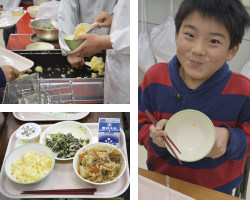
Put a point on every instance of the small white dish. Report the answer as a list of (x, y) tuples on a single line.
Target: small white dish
[(33, 10), (40, 46), (192, 132)]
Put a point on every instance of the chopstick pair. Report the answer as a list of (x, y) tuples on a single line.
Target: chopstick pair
[(166, 139), (86, 191)]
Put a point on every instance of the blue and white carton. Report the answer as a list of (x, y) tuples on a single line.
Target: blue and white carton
[(109, 130)]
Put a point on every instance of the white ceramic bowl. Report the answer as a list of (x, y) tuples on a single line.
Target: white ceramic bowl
[(89, 147), (39, 46), (33, 10), (77, 129), (18, 153), (192, 132)]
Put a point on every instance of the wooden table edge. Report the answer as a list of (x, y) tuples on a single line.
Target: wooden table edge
[(192, 190)]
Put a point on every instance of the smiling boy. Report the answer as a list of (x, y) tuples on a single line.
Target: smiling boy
[(208, 34)]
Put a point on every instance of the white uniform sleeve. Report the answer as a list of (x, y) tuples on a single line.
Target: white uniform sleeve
[(120, 28), (8, 5), (120, 40), (67, 21)]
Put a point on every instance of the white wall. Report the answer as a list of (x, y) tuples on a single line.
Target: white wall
[(157, 13)]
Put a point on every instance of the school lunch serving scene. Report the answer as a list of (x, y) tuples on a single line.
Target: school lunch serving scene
[(65, 51)]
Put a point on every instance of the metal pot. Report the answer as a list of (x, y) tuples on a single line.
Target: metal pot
[(45, 33)]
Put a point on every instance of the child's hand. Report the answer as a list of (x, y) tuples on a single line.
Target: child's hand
[(221, 142), (156, 133), (10, 73)]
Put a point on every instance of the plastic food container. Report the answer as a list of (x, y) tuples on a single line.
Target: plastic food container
[(17, 11), (29, 133)]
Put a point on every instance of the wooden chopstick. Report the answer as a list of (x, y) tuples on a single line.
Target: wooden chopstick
[(89, 191), (152, 119)]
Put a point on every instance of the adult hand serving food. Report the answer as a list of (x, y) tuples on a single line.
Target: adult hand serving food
[(72, 13), (93, 43)]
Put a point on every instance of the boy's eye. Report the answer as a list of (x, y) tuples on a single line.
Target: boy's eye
[(213, 41), (189, 35)]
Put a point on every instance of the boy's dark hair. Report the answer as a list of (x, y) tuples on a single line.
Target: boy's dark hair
[(230, 13)]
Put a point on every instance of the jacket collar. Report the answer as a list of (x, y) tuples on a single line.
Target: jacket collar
[(180, 85)]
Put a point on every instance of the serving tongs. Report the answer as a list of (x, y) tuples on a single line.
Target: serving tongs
[(165, 138)]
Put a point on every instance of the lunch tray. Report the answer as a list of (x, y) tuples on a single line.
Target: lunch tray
[(49, 116), (63, 176)]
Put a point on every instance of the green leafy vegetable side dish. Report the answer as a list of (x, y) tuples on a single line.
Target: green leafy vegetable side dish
[(65, 145)]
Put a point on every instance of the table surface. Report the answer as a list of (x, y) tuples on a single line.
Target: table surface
[(189, 189), (13, 124)]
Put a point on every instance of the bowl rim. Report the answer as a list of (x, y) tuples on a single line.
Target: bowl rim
[(66, 121), (28, 8), (71, 40), (34, 27), (210, 122), (76, 157), (16, 149), (45, 43)]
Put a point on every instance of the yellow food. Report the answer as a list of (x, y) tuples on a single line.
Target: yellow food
[(93, 75), (31, 167), (39, 69), (97, 63), (100, 72), (82, 29), (22, 75)]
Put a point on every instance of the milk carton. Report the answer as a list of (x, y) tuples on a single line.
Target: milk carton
[(109, 130)]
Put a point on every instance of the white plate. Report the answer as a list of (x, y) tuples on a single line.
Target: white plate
[(40, 46), (7, 20), (49, 116), (148, 190), (192, 132), (8, 57), (77, 129), (63, 176)]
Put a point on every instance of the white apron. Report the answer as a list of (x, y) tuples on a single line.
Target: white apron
[(117, 66)]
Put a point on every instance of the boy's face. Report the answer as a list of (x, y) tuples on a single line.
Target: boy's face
[(202, 48)]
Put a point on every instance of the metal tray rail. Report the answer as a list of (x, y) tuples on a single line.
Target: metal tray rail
[(31, 90)]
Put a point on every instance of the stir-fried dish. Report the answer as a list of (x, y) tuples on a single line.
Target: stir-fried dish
[(65, 145), (100, 165)]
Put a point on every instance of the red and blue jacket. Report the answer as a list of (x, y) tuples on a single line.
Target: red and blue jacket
[(224, 98)]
